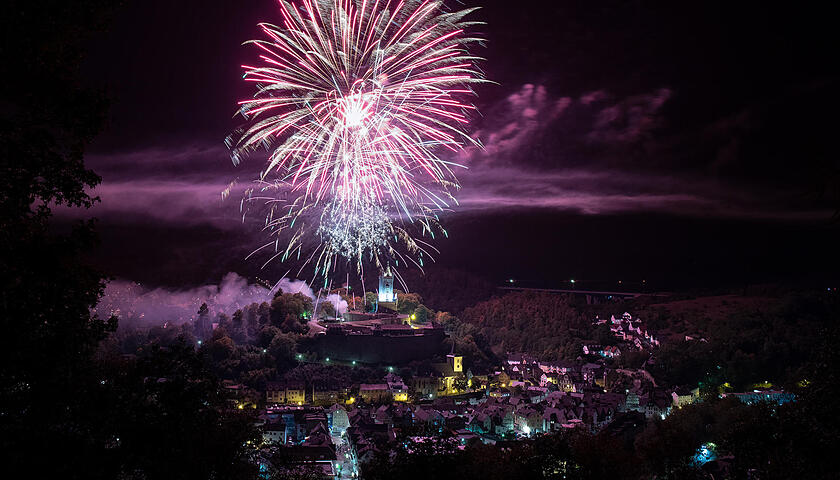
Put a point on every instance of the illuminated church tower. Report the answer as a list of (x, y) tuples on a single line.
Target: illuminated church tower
[(387, 298)]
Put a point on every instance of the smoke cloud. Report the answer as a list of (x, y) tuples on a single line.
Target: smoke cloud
[(133, 303), (295, 286), (299, 286), (339, 303)]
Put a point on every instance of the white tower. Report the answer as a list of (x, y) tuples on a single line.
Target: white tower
[(387, 298)]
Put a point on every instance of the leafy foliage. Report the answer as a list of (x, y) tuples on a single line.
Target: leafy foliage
[(544, 324)]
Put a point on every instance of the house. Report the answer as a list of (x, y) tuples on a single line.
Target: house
[(611, 351), (453, 421), (503, 421), (428, 418), (235, 390), (325, 394), (289, 394), (536, 394), (374, 392), (553, 418), (498, 392), (402, 414), (561, 366), (529, 420), (631, 402), (424, 386), (279, 467), (682, 396), (316, 447), (480, 423), (464, 436), (397, 388), (275, 393), (500, 378), (382, 414), (338, 418), (592, 371), (654, 404), (592, 349), (566, 383), (546, 378), (274, 433), (313, 418), (478, 377)]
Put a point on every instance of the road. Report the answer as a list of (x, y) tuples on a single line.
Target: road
[(346, 461)]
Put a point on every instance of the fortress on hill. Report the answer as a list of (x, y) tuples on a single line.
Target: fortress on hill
[(380, 338)]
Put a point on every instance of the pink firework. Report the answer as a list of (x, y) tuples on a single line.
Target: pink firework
[(357, 100)]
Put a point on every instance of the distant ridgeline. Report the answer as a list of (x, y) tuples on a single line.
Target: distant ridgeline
[(379, 343)]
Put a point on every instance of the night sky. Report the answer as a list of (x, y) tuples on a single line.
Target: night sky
[(689, 145)]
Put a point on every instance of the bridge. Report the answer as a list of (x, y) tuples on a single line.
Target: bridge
[(592, 296)]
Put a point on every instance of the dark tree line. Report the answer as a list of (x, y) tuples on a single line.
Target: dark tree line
[(543, 324), (69, 409), (747, 346)]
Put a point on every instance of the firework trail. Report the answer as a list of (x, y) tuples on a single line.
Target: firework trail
[(355, 101)]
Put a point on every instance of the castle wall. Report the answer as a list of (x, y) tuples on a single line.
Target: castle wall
[(380, 348)]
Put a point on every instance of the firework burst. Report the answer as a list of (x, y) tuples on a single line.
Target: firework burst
[(356, 101)]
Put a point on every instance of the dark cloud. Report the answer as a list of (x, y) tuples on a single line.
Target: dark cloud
[(628, 120), (535, 127), (591, 192), (600, 153), (591, 154)]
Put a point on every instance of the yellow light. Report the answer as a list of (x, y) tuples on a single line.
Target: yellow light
[(240, 406), (413, 316)]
